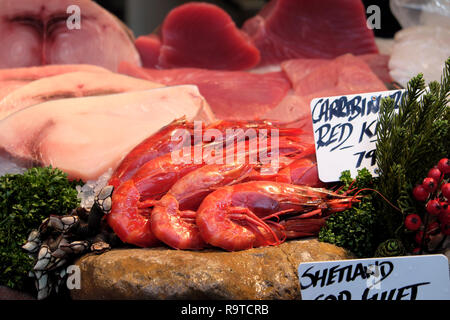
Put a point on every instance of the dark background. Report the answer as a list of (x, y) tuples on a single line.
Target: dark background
[(144, 16)]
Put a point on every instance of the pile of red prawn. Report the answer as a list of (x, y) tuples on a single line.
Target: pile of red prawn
[(233, 206)]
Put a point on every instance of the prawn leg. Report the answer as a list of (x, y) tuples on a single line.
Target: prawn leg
[(246, 215)]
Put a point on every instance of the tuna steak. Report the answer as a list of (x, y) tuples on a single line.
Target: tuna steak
[(379, 63), (346, 74), (35, 32), (86, 136), (290, 29), (232, 95), (71, 85), (316, 78), (201, 35), (149, 48)]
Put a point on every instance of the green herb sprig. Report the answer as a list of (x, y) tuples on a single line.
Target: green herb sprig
[(25, 200), (353, 229), (410, 140)]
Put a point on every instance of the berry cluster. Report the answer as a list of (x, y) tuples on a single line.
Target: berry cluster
[(435, 190)]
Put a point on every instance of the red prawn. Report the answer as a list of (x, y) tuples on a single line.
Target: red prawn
[(151, 181), (173, 217), (237, 217), (154, 146)]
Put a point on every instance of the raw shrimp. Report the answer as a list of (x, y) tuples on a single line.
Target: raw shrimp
[(163, 142), (156, 176), (224, 125), (131, 201), (237, 217), (173, 217), (301, 171), (154, 146)]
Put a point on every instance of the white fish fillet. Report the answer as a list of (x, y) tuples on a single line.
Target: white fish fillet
[(35, 73), (71, 85), (14, 78), (421, 49), (87, 136)]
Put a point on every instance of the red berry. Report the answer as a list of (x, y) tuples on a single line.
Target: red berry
[(444, 165), (433, 207), (435, 173), (416, 250), (420, 194), (445, 189), (413, 222), (429, 184)]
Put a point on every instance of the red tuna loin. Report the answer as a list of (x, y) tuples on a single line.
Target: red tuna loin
[(34, 32), (149, 48), (233, 95), (202, 35), (379, 63), (346, 74), (313, 78), (289, 29)]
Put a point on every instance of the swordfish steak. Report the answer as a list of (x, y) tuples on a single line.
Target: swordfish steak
[(71, 85), (14, 78), (36, 32), (87, 136), (291, 29)]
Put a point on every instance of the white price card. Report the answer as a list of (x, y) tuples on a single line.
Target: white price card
[(345, 132), (424, 277)]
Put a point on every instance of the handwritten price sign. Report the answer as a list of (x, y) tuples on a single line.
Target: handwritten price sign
[(345, 129), (399, 278)]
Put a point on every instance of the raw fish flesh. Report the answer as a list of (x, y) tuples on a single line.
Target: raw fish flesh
[(232, 95), (36, 32), (71, 85), (421, 49), (35, 73), (14, 78), (149, 48), (87, 136), (379, 63), (346, 74), (202, 35), (316, 78), (292, 107), (8, 86), (289, 29)]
